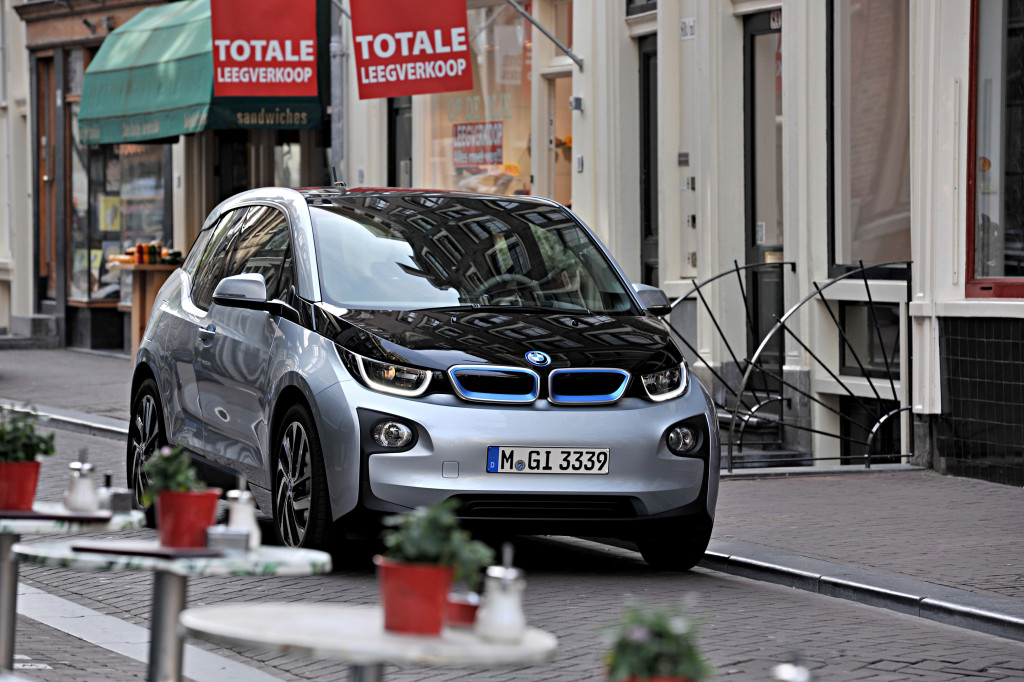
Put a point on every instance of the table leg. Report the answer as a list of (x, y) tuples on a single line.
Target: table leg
[(165, 643), (8, 600), (373, 672)]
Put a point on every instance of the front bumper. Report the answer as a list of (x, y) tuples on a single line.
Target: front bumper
[(646, 485)]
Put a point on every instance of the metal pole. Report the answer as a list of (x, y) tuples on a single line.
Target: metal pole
[(519, 8), (373, 672), (8, 600), (165, 644)]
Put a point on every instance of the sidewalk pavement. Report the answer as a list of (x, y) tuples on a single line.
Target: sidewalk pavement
[(943, 548)]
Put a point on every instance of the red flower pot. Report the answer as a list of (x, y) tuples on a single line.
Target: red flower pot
[(18, 482), (183, 517), (414, 596)]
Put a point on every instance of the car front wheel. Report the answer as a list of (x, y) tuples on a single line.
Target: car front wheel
[(301, 506)]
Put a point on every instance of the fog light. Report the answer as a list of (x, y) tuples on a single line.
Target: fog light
[(392, 434), (682, 439)]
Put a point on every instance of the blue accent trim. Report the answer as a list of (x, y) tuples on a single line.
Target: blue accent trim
[(587, 399), (479, 396)]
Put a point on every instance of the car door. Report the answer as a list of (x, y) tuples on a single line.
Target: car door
[(234, 345), (203, 270)]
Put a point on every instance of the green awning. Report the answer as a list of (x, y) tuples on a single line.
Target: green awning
[(153, 78)]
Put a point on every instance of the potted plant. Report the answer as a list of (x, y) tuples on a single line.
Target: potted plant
[(425, 550), (185, 507), (20, 446), (655, 645)]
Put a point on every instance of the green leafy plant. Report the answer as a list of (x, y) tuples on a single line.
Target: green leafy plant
[(655, 642), (431, 535), (19, 441), (170, 469)]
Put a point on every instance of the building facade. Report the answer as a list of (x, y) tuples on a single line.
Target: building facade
[(867, 149)]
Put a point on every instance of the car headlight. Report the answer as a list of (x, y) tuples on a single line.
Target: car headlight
[(666, 384), (387, 377)]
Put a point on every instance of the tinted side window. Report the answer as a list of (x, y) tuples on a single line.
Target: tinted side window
[(214, 263), (264, 248)]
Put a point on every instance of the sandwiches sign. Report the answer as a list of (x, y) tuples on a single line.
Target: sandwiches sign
[(413, 48), (264, 48)]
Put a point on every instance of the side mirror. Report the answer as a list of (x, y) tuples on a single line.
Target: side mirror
[(242, 291), (654, 299), (249, 291)]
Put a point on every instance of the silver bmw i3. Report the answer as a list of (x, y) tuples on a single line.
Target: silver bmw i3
[(355, 353)]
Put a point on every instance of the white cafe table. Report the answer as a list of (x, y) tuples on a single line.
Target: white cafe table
[(171, 569), (356, 635), (46, 518)]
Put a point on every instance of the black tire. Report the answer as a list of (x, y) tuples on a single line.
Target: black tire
[(301, 505), (146, 436), (679, 549)]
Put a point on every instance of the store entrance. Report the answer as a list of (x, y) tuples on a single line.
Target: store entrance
[(764, 219), (46, 180), (230, 163)]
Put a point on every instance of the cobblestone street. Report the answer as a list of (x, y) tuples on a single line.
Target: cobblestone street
[(577, 588)]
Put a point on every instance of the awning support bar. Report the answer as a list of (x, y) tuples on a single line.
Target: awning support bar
[(556, 41)]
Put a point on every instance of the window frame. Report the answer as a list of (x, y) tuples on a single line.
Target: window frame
[(899, 271), (979, 287)]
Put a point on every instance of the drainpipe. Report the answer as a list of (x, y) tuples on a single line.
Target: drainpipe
[(7, 121)]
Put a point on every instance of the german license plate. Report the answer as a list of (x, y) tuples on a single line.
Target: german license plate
[(516, 459)]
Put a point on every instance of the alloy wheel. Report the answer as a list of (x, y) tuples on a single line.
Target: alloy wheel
[(293, 491), (144, 439)]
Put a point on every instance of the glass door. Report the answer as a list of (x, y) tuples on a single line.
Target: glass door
[(649, 159), (764, 219)]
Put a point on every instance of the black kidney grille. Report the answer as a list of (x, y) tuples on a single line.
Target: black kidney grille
[(587, 386), (495, 384)]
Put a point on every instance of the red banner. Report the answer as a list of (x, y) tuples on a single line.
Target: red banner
[(412, 48), (264, 48)]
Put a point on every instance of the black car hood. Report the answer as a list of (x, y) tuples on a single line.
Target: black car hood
[(438, 339)]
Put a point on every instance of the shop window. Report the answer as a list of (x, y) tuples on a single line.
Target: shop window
[(480, 139), (287, 159), (995, 195), (640, 6), (869, 209)]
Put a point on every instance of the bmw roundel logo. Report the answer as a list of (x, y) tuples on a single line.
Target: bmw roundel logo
[(538, 358)]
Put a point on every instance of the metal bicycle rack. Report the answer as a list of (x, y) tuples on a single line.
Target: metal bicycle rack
[(748, 405)]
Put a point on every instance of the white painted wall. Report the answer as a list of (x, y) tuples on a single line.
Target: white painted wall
[(16, 229)]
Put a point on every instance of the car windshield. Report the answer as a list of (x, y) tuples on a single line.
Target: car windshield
[(427, 251)]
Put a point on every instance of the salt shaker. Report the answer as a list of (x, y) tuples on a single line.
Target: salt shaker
[(501, 618), (103, 493), (81, 493), (242, 513)]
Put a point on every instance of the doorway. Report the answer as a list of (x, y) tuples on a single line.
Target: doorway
[(46, 184), (764, 217), (400, 142), (649, 160)]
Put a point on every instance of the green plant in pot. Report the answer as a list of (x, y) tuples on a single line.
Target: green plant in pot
[(425, 550), (185, 507), (653, 644), (20, 447)]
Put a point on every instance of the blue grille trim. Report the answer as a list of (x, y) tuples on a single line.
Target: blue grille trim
[(482, 397), (587, 399)]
